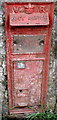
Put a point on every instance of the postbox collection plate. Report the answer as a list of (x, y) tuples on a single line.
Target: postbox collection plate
[(28, 41)]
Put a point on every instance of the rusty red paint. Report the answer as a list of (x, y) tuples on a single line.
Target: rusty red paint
[(27, 54)]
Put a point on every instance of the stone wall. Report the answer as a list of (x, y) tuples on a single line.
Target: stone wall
[(52, 84)]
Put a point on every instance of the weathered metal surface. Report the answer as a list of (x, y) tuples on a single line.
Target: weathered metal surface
[(27, 54), (27, 83), (24, 19), (28, 43)]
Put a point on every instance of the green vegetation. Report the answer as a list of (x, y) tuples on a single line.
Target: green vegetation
[(47, 115)]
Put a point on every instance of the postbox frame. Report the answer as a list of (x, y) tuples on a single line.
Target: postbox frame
[(11, 57)]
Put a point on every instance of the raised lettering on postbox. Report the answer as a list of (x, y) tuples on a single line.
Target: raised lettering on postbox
[(22, 19)]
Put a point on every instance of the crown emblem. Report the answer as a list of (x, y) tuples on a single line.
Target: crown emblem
[(29, 8)]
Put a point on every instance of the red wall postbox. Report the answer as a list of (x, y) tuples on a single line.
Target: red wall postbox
[(28, 41)]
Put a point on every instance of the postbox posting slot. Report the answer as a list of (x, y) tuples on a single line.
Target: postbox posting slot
[(23, 19)]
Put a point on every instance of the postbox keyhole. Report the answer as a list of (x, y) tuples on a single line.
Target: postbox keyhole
[(20, 90)]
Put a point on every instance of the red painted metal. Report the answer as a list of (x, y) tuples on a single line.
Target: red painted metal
[(23, 19), (28, 40)]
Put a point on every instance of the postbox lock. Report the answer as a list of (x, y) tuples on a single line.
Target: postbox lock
[(20, 90)]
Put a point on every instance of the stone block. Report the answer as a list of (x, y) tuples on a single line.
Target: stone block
[(1, 70), (1, 20), (1, 12), (1, 100), (0, 61), (1, 29), (1, 34), (1, 37), (2, 51), (0, 56), (1, 90), (1, 74), (1, 43), (0, 116), (2, 78)]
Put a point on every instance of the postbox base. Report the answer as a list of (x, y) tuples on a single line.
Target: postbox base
[(26, 111)]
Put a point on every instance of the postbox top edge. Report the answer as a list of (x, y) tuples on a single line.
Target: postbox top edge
[(40, 2), (23, 3)]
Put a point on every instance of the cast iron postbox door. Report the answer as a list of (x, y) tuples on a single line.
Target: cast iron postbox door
[(28, 40)]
